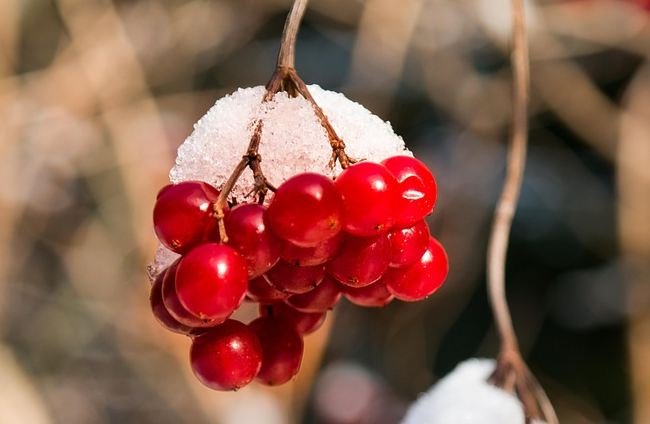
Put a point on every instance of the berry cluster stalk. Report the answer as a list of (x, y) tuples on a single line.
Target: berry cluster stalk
[(284, 78), (511, 372)]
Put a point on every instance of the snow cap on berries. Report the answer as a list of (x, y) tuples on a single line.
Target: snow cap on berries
[(293, 141), (465, 397)]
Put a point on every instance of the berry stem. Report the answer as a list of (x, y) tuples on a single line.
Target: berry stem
[(287, 53), (511, 371), (284, 78)]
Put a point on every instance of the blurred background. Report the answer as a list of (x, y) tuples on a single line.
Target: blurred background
[(96, 95)]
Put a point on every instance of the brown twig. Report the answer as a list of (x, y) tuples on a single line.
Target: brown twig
[(287, 53), (511, 370), (286, 79)]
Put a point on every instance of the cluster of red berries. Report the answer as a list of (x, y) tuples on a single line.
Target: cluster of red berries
[(362, 235)]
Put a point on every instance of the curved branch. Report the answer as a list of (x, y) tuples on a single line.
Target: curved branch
[(498, 246), (511, 370)]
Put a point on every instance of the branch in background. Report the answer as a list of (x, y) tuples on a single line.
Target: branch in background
[(498, 246), (511, 372)]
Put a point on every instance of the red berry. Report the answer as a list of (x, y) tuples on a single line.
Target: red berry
[(305, 210), (160, 312), (226, 357), (211, 281), (421, 279), (260, 290), (370, 193), (250, 237), (295, 279), (417, 189), (361, 260), (321, 299), (408, 244), (173, 304), (183, 216), (375, 295), (309, 256), (163, 190), (305, 322), (282, 349)]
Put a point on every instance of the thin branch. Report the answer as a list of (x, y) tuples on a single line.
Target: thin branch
[(287, 53), (505, 210), (548, 412), (337, 144), (510, 365)]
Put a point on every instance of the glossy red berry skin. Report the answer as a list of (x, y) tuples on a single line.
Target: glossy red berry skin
[(408, 244), (421, 279), (370, 194), (282, 349), (227, 357), (417, 189), (261, 291), (304, 322), (361, 260), (310, 256), (321, 299), (211, 281), (249, 236), (173, 304), (295, 279), (305, 210), (375, 295), (161, 313), (183, 216)]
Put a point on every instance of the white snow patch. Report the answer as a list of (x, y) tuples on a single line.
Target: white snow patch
[(293, 140), (465, 397)]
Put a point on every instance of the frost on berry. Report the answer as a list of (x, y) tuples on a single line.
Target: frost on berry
[(465, 396), (293, 141)]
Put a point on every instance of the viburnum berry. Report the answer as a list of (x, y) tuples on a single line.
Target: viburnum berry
[(361, 260), (282, 349), (227, 357), (376, 295), (416, 186), (320, 299), (248, 234), (304, 322), (260, 290), (310, 256), (421, 279), (305, 210), (211, 281), (161, 313), (183, 216), (295, 279), (173, 304), (408, 244), (370, 194)]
